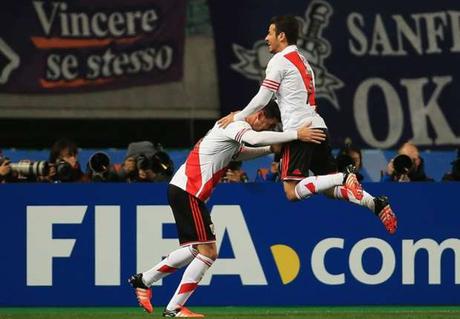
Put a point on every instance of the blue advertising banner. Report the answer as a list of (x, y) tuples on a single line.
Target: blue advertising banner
[(70, 46), (385, 73), (76, 245)]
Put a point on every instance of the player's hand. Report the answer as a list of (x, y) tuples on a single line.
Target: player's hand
[(311, 135), (226, 120)]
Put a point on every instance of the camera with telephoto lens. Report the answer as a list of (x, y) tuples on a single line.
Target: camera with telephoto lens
[(63, 170), (143, 162), (343, 161), (99, 166), (402, 165), (162, 164), (27, 168), (159, 163)]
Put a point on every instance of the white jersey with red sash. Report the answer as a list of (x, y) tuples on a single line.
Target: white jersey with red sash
[(208, 160), (291, 78)]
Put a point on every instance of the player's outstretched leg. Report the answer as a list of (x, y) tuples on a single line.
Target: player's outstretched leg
[(312, 185), (378, 205), (383, 210), (143, 293), (352, 183)]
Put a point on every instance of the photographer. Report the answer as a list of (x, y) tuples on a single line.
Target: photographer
[(5, 169), (22, 171), (146, 163), (64, 165), (271, 174), (454, 174), (407, 166), (235, 173)]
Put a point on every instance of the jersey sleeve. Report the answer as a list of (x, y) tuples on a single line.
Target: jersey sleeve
[(236, 130), (273, 74), (258, 102), (268, 137)]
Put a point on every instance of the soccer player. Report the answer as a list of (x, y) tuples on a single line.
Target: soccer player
[(192, 185), (290, 77)]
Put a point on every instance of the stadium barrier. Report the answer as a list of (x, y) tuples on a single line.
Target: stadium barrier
[(437, 163), (76, 245)]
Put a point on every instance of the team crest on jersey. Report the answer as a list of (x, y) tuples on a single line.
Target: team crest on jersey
[(252, 62)]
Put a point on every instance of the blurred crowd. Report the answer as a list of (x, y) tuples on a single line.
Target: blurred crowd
[(148, 162)]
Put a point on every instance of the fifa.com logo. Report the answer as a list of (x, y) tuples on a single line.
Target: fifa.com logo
[(151, 247)]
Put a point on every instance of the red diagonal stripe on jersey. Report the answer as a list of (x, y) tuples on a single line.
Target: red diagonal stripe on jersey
[(295, 59), (166, 269), (190, 286), (193, 170), (209, 186)]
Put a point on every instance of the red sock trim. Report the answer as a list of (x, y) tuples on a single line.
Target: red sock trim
[(167, 269)]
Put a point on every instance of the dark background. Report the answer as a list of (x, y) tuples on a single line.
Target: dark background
[(42, 133)]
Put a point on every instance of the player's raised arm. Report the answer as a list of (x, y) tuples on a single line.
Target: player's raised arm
[(257, 103), (269, 86)]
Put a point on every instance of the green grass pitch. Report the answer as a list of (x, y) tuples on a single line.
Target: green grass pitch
[(438, 312)]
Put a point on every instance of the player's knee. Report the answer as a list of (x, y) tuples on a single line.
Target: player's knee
[(208, 250), (291, 196), (289, 190)]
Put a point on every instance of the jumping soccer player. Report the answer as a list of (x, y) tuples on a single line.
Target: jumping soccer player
[(290, 77)]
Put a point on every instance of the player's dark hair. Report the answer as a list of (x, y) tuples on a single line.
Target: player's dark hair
[(287, 24), (272, 111)]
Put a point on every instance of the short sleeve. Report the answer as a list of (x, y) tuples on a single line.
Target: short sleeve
[(236, 130), (273, 74)]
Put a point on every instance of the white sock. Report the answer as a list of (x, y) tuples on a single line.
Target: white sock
[(177, 259), (341, 192), (192, 276), (317, 184)]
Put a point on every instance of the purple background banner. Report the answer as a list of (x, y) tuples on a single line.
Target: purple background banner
[(71, 46), (385, 73)]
